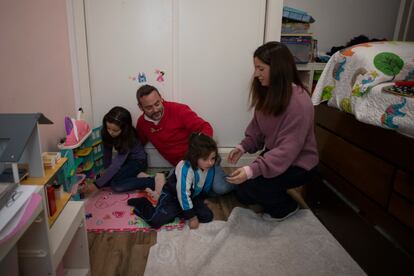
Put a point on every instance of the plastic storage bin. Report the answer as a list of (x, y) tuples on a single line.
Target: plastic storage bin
[(295, 28), (298, 15), (300, 47)]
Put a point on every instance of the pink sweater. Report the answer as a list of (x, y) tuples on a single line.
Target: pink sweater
[(289, 137)]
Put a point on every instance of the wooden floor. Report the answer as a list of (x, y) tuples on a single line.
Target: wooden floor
[(126, 254), (375, 254)]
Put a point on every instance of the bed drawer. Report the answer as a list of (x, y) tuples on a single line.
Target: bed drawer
[(404, 185), (387, 144), (402, 209), (367, 173)]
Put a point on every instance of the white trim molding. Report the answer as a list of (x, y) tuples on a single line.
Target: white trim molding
[(79, 57), (404, 26), (155, 160)]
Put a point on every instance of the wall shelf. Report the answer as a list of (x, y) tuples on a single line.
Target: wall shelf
[(60, 205), (49, 174)]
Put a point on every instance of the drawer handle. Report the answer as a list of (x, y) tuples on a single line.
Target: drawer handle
[(32, 253)]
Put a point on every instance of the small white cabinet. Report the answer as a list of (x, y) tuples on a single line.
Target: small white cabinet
[(68, 240), (40, 250)]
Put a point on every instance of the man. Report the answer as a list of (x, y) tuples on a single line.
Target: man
[(168, 125)]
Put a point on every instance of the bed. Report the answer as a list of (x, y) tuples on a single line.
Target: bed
[(365, 135)]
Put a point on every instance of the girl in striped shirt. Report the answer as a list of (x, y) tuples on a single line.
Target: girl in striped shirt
[(184, 193)]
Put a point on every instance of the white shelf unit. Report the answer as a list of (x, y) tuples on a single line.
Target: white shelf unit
[(10, 244), (68, 240), (307, 72), (40, 249)]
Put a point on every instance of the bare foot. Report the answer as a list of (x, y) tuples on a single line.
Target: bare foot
[(153, 194), (159, 183), (143, 174)]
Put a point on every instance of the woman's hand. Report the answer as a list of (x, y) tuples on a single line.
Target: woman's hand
[(193, 223), (237, 177), (234, 155)]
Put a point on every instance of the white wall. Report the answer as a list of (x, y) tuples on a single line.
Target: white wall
[(338, 21)]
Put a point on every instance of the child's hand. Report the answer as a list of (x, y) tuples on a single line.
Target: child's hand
[(234, 155), (193, 223)]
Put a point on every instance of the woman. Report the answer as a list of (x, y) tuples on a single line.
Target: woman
[(282, 127)]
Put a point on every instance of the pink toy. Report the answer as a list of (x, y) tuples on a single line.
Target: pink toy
[(76, 132)]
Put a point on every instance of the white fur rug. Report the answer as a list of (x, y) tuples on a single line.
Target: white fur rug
[(248, 244)]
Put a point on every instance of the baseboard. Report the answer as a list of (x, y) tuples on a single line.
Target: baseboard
[(246, 158), (155, 160)]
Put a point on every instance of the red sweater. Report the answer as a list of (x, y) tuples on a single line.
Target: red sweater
[(170, 136)]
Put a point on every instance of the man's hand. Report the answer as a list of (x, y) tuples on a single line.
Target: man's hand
[(193, 223), (237, 177), (234, 155)]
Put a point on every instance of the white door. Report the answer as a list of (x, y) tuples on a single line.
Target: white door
[(216, 41), (204, 49), (126, 39)]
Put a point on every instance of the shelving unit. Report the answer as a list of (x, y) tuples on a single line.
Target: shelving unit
[(43, 244), (49, 174), (62, 239), (37, 249), (84, 160), (301, 43), (307, 72), (69, 242)]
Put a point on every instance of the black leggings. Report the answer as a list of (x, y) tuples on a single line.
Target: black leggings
[(126, 178), (168, 208), (271, 192)]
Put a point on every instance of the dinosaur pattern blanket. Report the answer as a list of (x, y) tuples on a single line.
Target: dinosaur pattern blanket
[(354, 78)]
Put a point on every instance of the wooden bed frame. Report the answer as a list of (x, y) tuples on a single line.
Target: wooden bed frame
[(372, 167)]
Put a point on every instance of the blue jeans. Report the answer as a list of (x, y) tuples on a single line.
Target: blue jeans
[(168, 208), (220, 185), (126, 178)]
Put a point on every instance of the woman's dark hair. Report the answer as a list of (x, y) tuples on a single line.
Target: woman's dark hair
[(200, 146), (122, 118), (274, 99)]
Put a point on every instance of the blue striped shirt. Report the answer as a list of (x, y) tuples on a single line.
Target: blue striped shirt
[(190, 183)]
